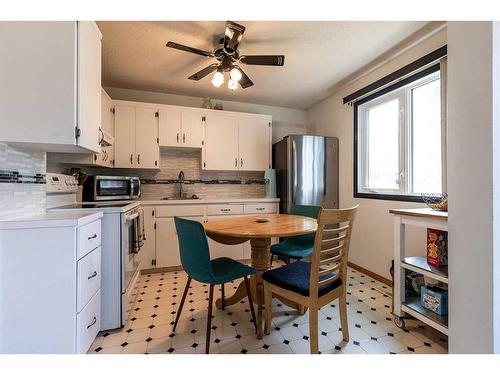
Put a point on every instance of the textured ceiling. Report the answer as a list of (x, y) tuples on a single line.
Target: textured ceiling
[(317, 56)]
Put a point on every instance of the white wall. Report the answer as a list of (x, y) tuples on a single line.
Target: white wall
[(372, 242), (473, 186), (285, 120)]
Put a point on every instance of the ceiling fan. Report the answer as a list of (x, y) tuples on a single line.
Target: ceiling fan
[(227, 54)]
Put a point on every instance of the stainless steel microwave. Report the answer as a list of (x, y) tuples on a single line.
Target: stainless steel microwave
[(106, 188)]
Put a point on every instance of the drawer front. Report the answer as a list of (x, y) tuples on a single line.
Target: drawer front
[(260, 208), (89, 237), (89, 277), (88, 324), (171, 211), (225, 209)]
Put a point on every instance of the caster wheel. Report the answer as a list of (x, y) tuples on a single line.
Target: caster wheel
[(399, 322)]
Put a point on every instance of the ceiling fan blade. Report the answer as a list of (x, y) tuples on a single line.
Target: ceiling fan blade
[(232, 36), (274, 60), (245, 81), (204, 72), (189, 49)]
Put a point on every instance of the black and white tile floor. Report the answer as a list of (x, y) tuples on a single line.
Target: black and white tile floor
[(370, 326)]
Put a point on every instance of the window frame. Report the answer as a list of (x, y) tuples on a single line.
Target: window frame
[(405, 156)]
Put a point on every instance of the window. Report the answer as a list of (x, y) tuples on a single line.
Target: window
[(398, 146)]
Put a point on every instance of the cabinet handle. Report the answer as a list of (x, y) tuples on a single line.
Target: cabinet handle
[(138, 158), (131, 159), (260, 209), (92, 237), (94, 321), (177, 137), (92, 276), (183, 137), (241, 162), (225, 209), (235, 162)]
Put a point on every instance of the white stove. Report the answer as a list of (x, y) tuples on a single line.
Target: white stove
[(122, 236)]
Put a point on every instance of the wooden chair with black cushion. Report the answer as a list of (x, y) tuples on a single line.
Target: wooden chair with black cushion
[(321, 281), (195, 259)]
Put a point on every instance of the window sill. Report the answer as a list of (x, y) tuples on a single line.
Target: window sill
[(390, 197)]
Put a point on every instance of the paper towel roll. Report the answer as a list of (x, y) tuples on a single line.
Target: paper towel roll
[(270, 178)]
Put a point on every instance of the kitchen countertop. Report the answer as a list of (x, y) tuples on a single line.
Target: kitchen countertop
[(51, 220), (148, 202)]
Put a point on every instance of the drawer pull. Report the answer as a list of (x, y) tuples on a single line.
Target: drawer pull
[(92, 237), (260, 208), (94, 321), (92, 276), (225, 210)]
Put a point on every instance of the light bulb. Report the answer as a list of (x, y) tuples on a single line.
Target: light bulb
[(235, 74), (232, 84), (218, 79)]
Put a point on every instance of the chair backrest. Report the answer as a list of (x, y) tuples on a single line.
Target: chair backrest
[(331, 247), (309, 211), (194, 250)]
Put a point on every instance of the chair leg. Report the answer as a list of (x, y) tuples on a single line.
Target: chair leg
[(209, 317), (343, 315), (223, 301), (250, 302), (271, 261), (188, 282), (313, 328), (268, 297)]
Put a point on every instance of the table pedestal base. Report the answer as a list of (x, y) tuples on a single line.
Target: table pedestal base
[(261, 261)]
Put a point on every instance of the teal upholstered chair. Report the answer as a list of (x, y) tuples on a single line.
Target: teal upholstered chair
[(195, 259), (297, 247)]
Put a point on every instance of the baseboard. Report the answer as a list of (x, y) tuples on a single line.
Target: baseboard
[(373, 275)]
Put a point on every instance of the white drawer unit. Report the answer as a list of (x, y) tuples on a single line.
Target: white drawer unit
[(88, 323), (224, 209), (184, 210), (55, 307), (89, 237), (260, 208), (89, 277)]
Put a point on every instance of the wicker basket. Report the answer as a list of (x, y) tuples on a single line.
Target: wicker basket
[(437, 202)]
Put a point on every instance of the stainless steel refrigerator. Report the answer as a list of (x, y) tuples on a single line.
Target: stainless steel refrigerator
[(307, 171)]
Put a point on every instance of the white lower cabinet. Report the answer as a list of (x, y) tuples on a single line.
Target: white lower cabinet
[(54, 306), (161, 248)]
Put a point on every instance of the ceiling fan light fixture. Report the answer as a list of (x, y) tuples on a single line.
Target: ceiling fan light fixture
[(235, 74), (218, 79), (232, 84)]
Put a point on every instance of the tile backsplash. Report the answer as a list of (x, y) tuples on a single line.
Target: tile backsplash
[(157, 184), (22, 181)]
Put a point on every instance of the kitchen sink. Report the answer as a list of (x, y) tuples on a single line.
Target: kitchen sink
[(194, 196)]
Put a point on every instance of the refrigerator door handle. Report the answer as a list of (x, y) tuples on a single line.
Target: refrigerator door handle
[(294, 175)]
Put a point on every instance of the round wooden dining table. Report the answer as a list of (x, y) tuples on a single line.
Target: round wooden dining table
[(259, 230)]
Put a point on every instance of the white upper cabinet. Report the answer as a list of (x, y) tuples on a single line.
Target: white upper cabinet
[(254, 143), (136, 136), (180, 127), (237, 142), (221, 142), (50, 73)]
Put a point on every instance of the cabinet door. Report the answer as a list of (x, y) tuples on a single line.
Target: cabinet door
[(254, 144), (124, 136), (89, 85), (167, 243), (170, 127), (192, 129), (148, 249), (221, 143), (218, 250), (146, 136), (107, 117)]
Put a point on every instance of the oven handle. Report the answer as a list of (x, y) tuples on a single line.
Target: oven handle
[(132, 216)]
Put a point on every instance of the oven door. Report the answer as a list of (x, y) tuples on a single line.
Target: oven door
[(130, 247), (112, 188)]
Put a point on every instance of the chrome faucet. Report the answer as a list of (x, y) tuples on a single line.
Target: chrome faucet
[(181, 189)]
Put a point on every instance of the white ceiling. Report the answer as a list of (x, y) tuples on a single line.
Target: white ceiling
[(317, 56)]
